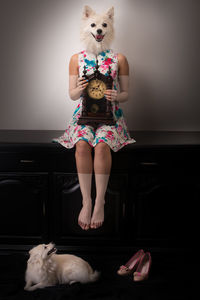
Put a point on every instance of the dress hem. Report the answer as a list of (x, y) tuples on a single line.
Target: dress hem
[(120, 146)]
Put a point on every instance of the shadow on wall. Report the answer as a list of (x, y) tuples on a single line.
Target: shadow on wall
[(140, 111), (152, 106), (145, 107)]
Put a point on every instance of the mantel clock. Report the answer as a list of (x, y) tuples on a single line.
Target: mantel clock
[(96, 109)]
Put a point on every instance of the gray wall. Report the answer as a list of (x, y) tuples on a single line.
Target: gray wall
[(160, 39)]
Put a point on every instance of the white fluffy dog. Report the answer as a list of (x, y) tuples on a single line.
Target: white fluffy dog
[(45, 268), (97, 31)]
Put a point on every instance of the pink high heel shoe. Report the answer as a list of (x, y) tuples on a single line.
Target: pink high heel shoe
[(131, 265), (142, 272)]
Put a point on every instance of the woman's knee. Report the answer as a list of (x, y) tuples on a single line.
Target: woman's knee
[(83, 148), (102, 149)]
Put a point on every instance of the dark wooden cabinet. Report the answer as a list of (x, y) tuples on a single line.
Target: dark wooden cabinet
[(166, 194), (151, 201)]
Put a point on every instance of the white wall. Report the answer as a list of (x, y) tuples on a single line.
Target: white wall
[(160, 39)]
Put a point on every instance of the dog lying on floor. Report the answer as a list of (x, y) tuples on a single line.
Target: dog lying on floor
[(45, 268)]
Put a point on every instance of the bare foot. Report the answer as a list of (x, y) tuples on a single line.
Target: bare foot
[(97, 216), (85, 216)]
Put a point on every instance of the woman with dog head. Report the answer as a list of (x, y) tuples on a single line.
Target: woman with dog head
[(97, 34)]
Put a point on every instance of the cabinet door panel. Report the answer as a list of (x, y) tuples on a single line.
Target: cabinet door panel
[(23, 206), (166, 205), (67, 205)]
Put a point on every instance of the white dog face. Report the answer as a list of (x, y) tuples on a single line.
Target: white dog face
[(43, 251), (97, 31)]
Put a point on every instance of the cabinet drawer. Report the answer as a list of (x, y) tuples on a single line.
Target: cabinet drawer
[(23, 162)]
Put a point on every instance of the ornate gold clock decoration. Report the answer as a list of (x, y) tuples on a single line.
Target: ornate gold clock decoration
[(96, 109)]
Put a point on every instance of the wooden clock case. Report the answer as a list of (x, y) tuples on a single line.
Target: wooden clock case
[(104, 113)]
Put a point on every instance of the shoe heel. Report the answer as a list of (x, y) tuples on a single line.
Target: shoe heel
[(143, 269)]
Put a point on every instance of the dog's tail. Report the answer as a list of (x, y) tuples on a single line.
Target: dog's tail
[(95, 276)]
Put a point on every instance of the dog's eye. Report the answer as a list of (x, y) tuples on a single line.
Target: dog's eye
[(104, 25), (45, 247), (93, 25)]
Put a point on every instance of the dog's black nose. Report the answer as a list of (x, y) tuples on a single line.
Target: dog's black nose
[(99, 31)]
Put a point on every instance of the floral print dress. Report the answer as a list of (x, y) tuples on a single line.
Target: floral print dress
[(116, 136)]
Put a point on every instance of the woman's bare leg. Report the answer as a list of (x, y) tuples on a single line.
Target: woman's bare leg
[(102, 167), (84, 164)]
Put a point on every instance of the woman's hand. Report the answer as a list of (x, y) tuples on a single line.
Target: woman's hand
[(122, 96), (76, 86), (111, 95), (81, 83)]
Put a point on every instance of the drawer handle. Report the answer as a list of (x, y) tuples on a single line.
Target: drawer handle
[(149, 163), (27, 161)]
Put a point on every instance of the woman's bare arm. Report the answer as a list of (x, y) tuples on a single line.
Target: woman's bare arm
[(123, 71), (76, 84)]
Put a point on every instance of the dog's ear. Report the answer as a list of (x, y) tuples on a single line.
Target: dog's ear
[(87, 12), (31, 251), (110, 13)]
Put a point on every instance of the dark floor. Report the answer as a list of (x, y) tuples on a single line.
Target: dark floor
[(171, 277)]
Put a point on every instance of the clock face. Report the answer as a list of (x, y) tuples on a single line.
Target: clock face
[(96, 89)]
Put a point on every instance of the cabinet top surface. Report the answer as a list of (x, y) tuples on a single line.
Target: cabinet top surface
[(143, 139)]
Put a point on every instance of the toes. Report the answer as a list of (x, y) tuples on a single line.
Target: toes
[(87, 227), (80, 224), (96, 225), (83, 225), (99, 224)]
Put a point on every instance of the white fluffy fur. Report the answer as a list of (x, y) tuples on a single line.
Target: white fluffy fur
[(45, 269), (87, 32)]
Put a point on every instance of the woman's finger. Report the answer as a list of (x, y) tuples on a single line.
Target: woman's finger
[(84, 85), (81, 82), (111, 95), (108, 92)]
